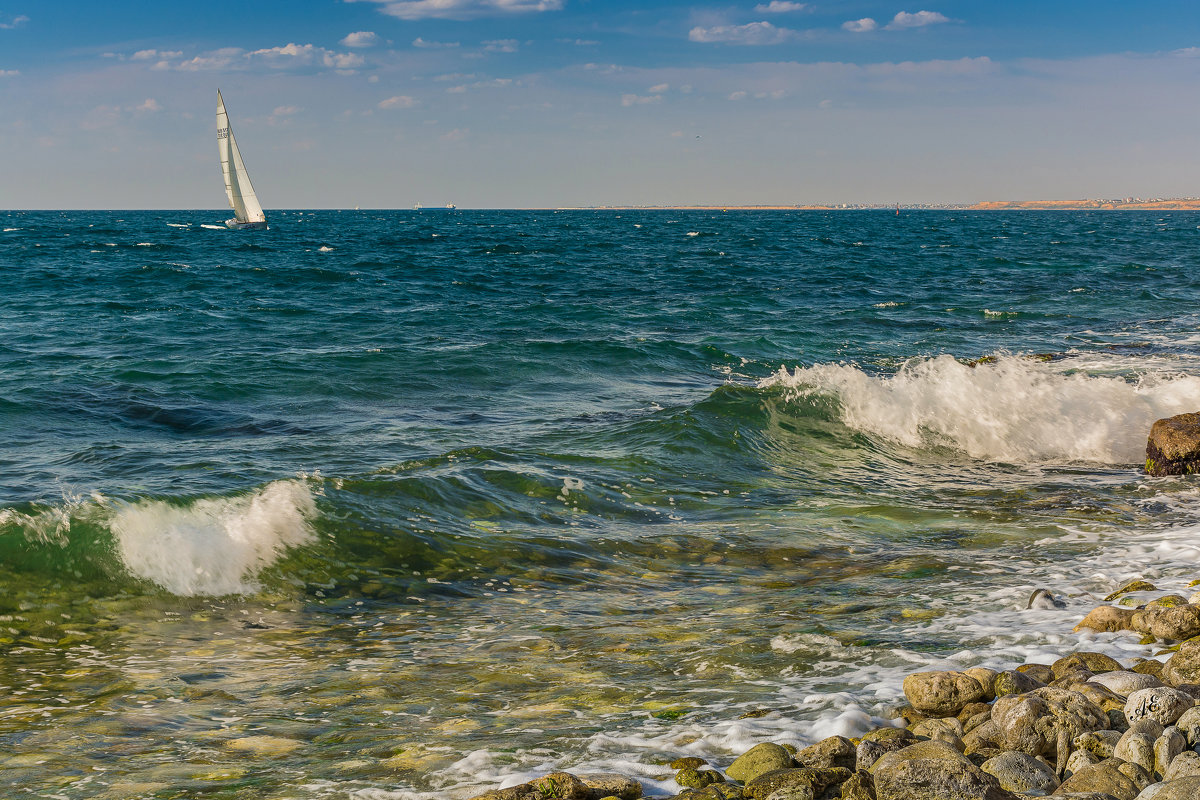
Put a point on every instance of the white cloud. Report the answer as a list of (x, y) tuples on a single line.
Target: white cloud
[(398, 101), (501, 46), (739, 95), (150, 105), (419, 42), (16, 22), (752, 33), (461, 9), (779, 7), (287, 57), (635, 100), (864, 25), (917, 20), (9, 73), (456, 135), (360, 39), (659, 89), (155, 55), (285, 111)]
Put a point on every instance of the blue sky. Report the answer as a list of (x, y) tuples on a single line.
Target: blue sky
[(545, 103)]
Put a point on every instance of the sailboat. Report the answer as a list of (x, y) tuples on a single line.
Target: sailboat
[(247, 213)]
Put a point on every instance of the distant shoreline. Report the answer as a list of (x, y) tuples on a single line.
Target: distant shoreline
[(1186, 204)]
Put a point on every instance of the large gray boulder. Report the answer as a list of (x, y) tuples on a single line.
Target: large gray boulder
[(1018, 772), (1162, 704), (1178, 789), (1104, 777), (1045, 721), (942, 694), (933, 771), (1173, 447), (1184, 666)]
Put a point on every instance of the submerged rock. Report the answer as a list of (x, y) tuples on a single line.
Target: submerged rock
[(1173, 447), (1107, 619)]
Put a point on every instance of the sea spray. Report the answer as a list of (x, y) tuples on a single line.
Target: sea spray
[(213, 546), (1012, 410)]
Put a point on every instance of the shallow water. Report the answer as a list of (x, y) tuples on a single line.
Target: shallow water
[(394, 504)]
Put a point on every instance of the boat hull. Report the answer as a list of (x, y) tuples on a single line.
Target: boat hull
[(233, 224)]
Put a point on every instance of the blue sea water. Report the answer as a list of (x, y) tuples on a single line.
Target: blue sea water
[(393, 504)]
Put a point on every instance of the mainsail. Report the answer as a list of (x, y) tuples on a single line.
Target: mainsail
[(242, 200)]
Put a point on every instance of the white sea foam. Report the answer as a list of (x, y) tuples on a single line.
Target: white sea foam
[(213, 546), (324, 249), (214, 227), (179, 224), (1014, 410)]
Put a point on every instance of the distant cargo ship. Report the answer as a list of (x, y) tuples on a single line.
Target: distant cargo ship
[(447, 207)]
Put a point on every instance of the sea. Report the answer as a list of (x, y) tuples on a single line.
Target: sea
[(393, 505)]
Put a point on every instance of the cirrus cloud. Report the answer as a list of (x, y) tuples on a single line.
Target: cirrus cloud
[(460, 9)]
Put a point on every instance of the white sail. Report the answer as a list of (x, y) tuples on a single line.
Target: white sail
[(246, 209)]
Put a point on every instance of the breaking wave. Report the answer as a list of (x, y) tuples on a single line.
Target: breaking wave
[(1011, 410)]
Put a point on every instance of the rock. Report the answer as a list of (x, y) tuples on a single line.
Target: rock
[(1095, 663), (835, 751), (1184, 666), (1078, 760), (858, 786), (1107, 619), (1039, 672), (1168, 601), (938, 729), (795, 781), (717, 791), (1103, 777), (1173, 447), (1189, 724), (608, 784), (1148, 666), (1137, 748), (1178, 789), (941, 694), (977, 720), (1099, 743), (1124, 682), (1184, 765), (694, 778), (1045, 721), (1175, 623), (870, 751), (1014, 682), (759, 760), (1167, 747), (1161, 704), (1018, 772), (1043, 600), (1150, 727), (986, 736), (687, 761), (933, 770), (986, 677), (560, 786), (1140, 777), (1133, 586)]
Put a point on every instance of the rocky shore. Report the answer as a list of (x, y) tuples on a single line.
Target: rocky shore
[(1085, 727)]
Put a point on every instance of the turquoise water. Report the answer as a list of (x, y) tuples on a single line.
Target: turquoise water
[(395, 504)]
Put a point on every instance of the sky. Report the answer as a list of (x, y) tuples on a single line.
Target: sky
[(560, 103)]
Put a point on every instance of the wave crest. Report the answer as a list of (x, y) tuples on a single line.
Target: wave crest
[(213, 546), (1012, 410)]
